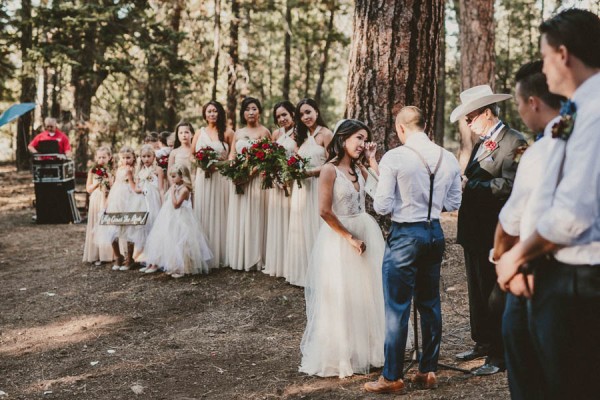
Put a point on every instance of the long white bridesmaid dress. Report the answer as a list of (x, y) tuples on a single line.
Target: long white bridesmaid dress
[(304, 215), (92, 251), (211, 201), (345, 329), (278, 218), (246, 222)]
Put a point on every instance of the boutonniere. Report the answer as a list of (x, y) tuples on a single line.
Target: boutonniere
[(564, 127), (490, 145), (519, 152)]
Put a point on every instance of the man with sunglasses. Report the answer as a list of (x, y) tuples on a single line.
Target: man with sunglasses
[(487, 184)]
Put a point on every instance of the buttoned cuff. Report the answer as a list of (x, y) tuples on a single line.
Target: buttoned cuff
[(561, 226)]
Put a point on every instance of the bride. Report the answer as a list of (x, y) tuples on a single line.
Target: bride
[(344, 296)]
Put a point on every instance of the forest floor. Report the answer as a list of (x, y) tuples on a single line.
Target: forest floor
[(69, 330)]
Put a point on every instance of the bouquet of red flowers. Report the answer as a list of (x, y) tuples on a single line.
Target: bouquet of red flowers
[(100, 172), (237, 170), (206, 158), (266, 157), (295, 169), (163, 162)]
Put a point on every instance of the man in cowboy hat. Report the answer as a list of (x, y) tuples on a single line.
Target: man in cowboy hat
[(487, 183)]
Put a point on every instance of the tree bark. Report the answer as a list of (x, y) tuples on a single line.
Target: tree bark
[(307, 52), (288, 50), (173, 62), (217, 48), (232, 63), (25, 123), (394, 61), (325, 54), (440, 114), (477, 58), (44, 91)]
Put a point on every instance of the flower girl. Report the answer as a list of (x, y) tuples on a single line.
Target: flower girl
[(177, 242), (150, 180), (123, 197), (345, 328), (98, 184)]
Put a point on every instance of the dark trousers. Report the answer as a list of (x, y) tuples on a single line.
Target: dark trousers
[(563, 321), (486, 304), (411, 267)]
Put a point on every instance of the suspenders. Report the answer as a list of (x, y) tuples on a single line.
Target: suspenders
[(431, 176)]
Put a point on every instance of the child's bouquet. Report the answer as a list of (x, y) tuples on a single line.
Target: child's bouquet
[(237, 170), (163, 162), (295, 169), (265, 157), (100, 172), (206, 159)]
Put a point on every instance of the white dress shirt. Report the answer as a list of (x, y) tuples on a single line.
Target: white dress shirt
[(520, 214), (571, 214), (403, 188)]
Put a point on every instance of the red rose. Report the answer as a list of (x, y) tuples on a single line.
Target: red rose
[(265, 146), (490, 145), (260, 155), (244, 150), (291, 161), (255, 146), (200, 156)]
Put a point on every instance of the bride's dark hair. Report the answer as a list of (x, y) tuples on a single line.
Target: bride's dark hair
[(336, 148)]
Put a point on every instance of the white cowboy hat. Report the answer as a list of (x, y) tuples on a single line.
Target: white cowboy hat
[(474, 98)]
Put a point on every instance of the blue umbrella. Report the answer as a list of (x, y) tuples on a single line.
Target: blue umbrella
[(15, 111)]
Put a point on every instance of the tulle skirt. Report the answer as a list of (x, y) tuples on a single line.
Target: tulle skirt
[(278, 221), (303, 228), (91, 250), (122, 199), (211, 199), (345, 330), (151, 202), (177, 242)]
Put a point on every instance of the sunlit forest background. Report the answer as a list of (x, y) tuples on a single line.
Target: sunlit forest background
[(112, 71)]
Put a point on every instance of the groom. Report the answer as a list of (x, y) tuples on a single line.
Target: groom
[(416, 181)]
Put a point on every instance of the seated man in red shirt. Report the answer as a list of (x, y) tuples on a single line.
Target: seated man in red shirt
[(51, 133)]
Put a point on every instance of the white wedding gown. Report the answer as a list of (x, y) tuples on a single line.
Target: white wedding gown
[(345, 328)]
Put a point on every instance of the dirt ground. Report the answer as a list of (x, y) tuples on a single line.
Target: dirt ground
[(69, 330)]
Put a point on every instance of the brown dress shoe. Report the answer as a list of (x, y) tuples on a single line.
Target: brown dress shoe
[(427, 380), (382, 385)]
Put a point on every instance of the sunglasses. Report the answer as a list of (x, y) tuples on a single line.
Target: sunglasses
[(470, 118)]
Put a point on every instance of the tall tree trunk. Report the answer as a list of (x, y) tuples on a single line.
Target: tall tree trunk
[(173, 61), (232, 63), (440, 115), (288, 50), (477, 58), (307, 52), (217, 48), (56, 77), (394, 61), (25, 123), (325, 54), (45, 92)]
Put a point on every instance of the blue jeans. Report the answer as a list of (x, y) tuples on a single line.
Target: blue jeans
[(411, 267)]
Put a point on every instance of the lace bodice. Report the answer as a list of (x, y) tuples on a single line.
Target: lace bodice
[(182, 157), (310, 148), (187, 203), (287, 142), (121, 175), (346, 200), (146, 176), (205, 140)]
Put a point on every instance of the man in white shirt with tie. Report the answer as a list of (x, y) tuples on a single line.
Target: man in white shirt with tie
[(416, 182), (564, 248)]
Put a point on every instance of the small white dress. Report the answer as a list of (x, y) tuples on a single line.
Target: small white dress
[(246, 223), (304, 215), (345, 330), (92, 251), (177, 242), (278, 218), (211, 200), (147, 180)]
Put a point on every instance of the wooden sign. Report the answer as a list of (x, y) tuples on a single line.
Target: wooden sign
[(124, 218)]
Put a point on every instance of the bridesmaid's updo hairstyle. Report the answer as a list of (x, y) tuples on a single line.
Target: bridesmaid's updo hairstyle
[(342, 132), (182, 123), (301, 128), (221, 118), (288, 106), (245, 103)]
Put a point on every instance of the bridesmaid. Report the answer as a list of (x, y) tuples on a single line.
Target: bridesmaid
[(278, 217), (312, 138), (182, 149), (211, 195), (247, 213)]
